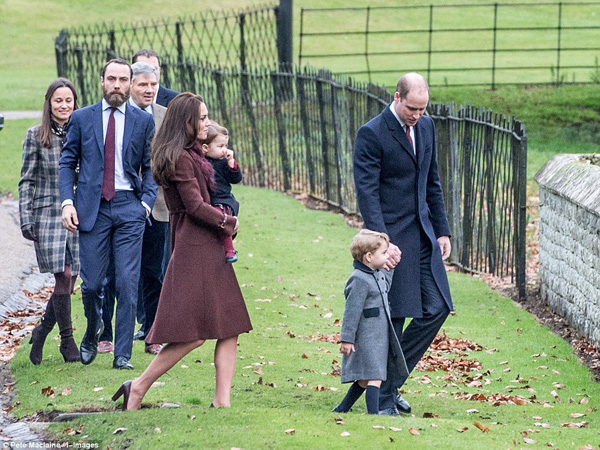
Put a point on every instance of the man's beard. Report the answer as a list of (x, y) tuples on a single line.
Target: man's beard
[(116, 99)]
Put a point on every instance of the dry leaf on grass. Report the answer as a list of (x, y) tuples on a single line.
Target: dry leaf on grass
[(574, 424), (483, 428)]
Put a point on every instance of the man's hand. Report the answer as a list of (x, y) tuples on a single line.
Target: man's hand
[(445, 247), (346, 348), (69, 218), (236, 226), (394, 255)]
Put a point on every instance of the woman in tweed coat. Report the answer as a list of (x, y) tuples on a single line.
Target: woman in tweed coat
[(56, 249), (367, 336)]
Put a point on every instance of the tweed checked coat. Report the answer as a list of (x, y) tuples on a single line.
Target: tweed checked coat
[(368, 325), (39, 204)]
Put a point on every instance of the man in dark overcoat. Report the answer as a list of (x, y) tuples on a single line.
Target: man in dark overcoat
[(399, 193)]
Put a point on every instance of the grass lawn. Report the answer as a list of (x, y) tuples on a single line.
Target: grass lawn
[(293, 266)]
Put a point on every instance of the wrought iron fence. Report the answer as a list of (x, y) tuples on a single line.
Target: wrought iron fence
[(482, 160), (256, 36), (484, 44), (293, 130)]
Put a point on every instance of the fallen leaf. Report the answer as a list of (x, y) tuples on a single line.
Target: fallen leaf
[(304, 356), (66, 391), (574, 424), (483, 428), (157, 430), (577, 415), (462, 430), (47, 391), (290, 431), (584, 401), (344, 434), (378, 427), (414, 431), (119, 430), (98, 389), (395, 429), (529, 441)]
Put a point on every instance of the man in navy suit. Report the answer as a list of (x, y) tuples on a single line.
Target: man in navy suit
[(110, 142), (163, 95), (399, 193)]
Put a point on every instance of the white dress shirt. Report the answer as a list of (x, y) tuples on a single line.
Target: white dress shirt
[(412, 129)]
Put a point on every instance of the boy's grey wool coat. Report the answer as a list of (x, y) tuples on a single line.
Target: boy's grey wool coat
[(367, 324), (39, 204)]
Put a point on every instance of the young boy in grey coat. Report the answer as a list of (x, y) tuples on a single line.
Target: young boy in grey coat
[(367, 337)]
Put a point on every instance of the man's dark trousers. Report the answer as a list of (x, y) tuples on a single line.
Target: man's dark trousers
[(118, 228), (152, 274), (421, 331)]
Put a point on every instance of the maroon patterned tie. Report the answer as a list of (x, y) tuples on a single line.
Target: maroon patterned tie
[(409, 138), (108, 180)]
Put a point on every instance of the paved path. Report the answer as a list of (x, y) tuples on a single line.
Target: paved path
[(12, 115), (17, 273)]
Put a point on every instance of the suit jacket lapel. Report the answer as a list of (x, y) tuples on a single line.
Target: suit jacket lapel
[(98, 127), (420, 138), (398, 132), (130, 120)]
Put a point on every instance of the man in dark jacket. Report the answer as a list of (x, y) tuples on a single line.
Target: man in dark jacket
[(399, 193), (163, 95)]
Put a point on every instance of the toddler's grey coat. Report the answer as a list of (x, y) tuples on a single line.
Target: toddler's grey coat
[(367, 324)]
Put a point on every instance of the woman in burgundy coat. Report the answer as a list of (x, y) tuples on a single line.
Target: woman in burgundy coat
[(200, 297)]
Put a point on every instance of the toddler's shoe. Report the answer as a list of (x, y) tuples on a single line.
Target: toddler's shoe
[(231, 256)]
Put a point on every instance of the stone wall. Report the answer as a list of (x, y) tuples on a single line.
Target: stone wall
[(569, 249)]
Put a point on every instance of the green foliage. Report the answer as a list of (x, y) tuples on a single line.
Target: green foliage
[(292, 269), (11, 146)]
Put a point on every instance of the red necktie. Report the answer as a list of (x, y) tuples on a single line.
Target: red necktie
[(409, 138), (108, 180)]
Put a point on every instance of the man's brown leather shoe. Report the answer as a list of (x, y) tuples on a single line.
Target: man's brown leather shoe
[(153, 349), (105, 347)]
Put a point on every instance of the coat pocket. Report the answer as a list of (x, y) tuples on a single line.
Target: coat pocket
[(43, 201), (371, 312)]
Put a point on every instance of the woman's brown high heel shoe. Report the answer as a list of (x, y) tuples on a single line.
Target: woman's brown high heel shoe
[(124, 390)]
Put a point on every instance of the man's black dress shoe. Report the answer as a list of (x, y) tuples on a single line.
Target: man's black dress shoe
[(120, 362), (139, 336), (89, 345), (389, 412), (402, 405), (124, 390)]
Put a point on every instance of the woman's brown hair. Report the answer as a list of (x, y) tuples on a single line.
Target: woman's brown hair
[(177, 133), (45, 130)]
